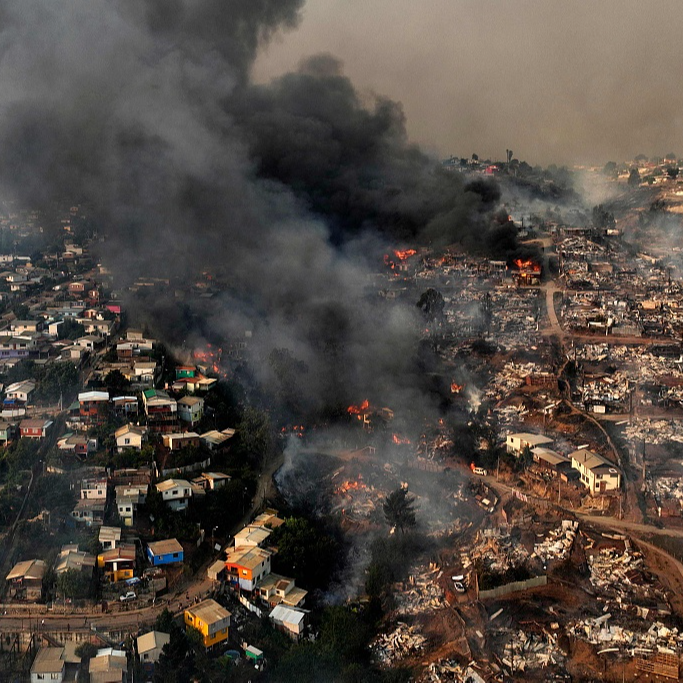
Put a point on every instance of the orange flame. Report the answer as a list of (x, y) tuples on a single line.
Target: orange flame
[(357, 485), (527, 265), (397, 439), (403, 255), (456, 388), (295, 430), (359, 410), (211, 356)]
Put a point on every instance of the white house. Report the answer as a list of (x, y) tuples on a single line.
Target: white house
[(20, 391), (94, 489), (176, 493), (48, 665), (252, 535), (290, 620), (191, 409), (110, 537), (211, 480), (89, 342), (128, 498), (150, 646), (130, 436), (516, 443), (214, 439), (597, 474), (275, 589)]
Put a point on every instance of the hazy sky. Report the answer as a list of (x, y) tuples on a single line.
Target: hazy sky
[(557, 81)]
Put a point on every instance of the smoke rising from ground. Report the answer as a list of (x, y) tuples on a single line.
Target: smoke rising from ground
[(144, 111)]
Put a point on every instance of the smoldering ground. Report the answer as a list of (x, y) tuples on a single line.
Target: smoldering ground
[(144, 112)]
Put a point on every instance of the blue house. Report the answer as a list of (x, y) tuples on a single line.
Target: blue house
[(164, 552)]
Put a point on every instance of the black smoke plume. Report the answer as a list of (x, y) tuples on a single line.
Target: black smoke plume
[(288, 192)]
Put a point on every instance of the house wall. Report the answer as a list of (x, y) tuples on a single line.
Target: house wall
[(210, 638), (168, 558), (52, 677), (248, 578)]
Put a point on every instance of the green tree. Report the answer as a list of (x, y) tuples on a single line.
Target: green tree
[(55, 380), (176, 663), (672, 172), (525, 459), (399, 510), (602, 218), (255, 436), (165, 621), (70, 329), (431, 303), (116, 383), (634, 177), (21, 311), (86, 650), (308, 553), (344, 634), (73, 584)]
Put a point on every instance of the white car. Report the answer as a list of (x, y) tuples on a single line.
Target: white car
[(130, 595), (480, 471)]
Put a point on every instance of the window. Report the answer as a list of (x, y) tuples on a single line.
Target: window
[(175, 554)]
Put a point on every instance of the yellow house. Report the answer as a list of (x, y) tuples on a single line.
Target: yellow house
[(210, 619), (117, 564)]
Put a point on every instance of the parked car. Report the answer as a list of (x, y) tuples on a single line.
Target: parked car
[(130, 595), (480, 471), (459, 583)]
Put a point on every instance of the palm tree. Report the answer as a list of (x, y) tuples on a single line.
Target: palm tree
[(399, 510)]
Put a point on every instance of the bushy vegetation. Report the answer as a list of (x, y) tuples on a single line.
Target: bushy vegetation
[(307, 551)]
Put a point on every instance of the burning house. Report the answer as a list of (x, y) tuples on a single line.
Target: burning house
[(527, 272)]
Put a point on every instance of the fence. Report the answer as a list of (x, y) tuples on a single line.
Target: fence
[(249, 606), (513, 587), (193, 467)]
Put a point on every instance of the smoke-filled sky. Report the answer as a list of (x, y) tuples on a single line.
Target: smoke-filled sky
[(144, 111), (555, 81)]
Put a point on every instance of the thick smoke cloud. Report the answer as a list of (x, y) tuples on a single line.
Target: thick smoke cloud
[(348, 160), (144, 111)]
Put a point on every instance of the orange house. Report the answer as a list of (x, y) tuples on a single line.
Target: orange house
[(247, 565)]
